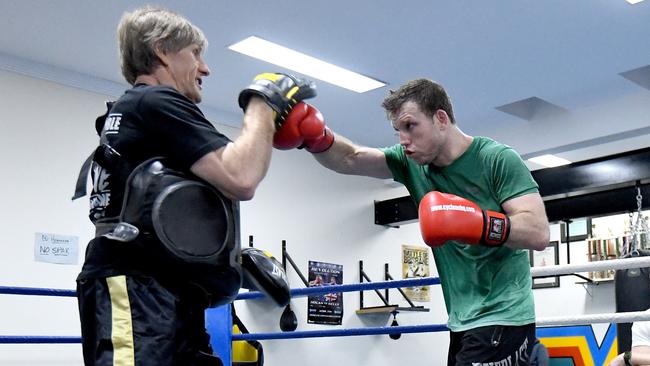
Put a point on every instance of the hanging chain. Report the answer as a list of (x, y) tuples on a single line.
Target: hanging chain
[(638, 227)]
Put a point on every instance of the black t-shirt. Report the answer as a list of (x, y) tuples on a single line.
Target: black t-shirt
[(145, 122)]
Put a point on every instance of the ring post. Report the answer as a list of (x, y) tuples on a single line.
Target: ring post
[(218, 323)]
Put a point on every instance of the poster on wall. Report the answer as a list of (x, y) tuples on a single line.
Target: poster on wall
[(325, 308), (415, 263)]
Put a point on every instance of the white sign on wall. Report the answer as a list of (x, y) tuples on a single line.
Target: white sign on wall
[(55, 248)]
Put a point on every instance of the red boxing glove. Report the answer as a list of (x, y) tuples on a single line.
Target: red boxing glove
[(321, 143), (445, 217), (304, 127)]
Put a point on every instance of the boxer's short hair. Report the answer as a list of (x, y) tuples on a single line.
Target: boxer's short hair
[(427, 94)]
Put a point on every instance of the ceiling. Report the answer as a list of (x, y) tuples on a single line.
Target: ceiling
[(566, 54)]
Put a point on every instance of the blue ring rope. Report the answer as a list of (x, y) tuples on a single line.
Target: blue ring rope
[(262, 336), (411, 282), (36, 291), (38, 339), (342, 332), (299, 292)]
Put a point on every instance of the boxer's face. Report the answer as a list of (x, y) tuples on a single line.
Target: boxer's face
[(188, 69), (419, 134)]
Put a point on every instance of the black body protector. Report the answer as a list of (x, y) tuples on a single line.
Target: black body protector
[(193, 225)]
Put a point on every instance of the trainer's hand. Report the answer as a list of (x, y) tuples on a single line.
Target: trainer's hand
[(280, 91), (304, 127), (445, 217)]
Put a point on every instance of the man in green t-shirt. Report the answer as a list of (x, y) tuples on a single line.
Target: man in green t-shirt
[(479, 208)]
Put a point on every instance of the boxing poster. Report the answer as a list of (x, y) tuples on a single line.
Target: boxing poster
[(415, 263), (325, 308)]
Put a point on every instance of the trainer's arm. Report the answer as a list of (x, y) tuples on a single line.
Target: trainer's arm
[(345, 157), (528, 223), (237, 168)]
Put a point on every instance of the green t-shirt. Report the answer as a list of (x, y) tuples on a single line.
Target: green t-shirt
[(481, 285)]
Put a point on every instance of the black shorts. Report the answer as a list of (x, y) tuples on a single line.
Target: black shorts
[(493, 345), (139, 321)]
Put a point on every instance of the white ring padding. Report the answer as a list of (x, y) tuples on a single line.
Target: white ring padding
[(639, 262), (627, 317)]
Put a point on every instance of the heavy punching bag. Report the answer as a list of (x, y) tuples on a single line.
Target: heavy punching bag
[(632, 287)]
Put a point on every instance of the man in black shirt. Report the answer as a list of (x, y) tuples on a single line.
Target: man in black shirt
[(139, 305)]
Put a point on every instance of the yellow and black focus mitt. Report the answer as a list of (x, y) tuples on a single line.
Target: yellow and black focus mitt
[(280, 91), (262, 272)]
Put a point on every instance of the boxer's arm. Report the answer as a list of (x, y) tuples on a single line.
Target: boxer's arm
[(346, 157), (528, 222), (237, 168)]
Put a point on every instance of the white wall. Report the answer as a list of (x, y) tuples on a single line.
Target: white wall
[(47, 131)]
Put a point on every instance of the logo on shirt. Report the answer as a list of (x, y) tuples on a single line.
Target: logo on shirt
[(112, 123), (101, 194)]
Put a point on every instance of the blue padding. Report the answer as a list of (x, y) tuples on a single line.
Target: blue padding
[(218, 322)]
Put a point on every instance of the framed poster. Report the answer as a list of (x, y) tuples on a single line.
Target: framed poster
[(579, 229), (548, 257), (415, 263)]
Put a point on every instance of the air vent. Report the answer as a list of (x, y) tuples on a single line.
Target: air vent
[(531, 108), (640, 76)]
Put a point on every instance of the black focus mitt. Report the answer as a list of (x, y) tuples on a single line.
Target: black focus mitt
[(262, 272), (280, 91)]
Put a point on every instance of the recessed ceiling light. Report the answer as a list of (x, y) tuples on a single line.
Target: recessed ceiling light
[(634, 1), (549, 160), (304, 64)]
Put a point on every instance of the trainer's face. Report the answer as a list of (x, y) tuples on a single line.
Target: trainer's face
[(187, 70), (419, 134)]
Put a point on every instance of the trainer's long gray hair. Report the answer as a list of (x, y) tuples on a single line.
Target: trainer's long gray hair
[(146, 29)]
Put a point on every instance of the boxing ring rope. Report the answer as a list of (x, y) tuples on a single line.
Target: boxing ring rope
[(299, 292), (615, 264), (627, 317), (352, 287), (342, 332), (6, 290), (39, 339)]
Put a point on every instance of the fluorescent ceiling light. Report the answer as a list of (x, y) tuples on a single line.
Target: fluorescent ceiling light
[(304, 64), (634, 1), (549, 160)]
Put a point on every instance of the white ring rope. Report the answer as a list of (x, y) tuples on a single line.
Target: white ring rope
[(614, 264), (639, 262), (628, 317)]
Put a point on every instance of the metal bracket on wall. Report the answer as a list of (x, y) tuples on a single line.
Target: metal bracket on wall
[(287, 258), (387, 307)]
